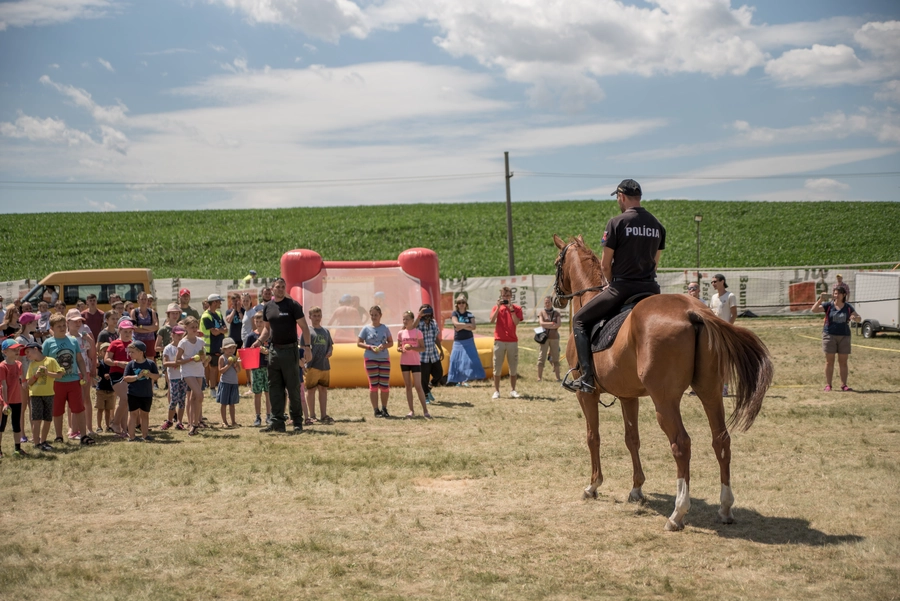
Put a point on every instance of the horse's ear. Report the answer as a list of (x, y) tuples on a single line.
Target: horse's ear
[(558, 242), (580, 239)]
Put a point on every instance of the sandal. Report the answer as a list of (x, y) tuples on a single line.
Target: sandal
[(192, 431), (327, 419), (410, 415), (308, 422), (427, 415), (828, 388), (845, 388), (58, 439), (87, 441)]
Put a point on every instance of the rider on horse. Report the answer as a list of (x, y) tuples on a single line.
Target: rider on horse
[(632, 243)]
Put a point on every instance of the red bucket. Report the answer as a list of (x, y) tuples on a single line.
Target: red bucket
[(249, 357)]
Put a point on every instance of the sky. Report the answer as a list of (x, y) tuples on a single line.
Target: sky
[(112, 105)]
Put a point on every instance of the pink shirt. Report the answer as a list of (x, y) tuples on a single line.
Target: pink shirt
[(411, 337)]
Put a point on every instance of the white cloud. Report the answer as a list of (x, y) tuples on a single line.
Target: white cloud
[(217, 48), (324, 19), (82, 99), (113, 139), (103, 207), (44, 130), (770, 166), (27, 13), (239, 65), (168, 51), (825, 184), (53, 66), (298, 59), (881, 125), (823, 65), (889, 92), (106, 64), (310, 48)]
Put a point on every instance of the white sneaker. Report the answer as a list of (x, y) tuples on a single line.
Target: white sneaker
[(513, 394), (496, 395)]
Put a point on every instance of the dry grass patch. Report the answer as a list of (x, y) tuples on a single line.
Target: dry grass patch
[(483, 502)]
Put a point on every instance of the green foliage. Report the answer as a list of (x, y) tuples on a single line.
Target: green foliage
[(470, 239)]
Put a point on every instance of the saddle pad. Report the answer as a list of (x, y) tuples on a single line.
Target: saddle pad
[(604, 333)]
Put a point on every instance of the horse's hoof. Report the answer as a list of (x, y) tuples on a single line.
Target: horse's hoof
[(589, 493), (636, 496), (726, 519), (674, 527)]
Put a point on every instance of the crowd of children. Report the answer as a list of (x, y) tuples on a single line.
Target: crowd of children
[(56, 365)]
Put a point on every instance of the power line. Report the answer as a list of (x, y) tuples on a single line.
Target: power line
[(100, 186)]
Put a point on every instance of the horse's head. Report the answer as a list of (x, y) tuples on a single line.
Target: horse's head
[(562, 286)]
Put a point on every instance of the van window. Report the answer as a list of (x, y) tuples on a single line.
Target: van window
[(128, 292)]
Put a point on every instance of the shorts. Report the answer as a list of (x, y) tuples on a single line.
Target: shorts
[(259, 380), (832, 344), (67, 392), (413, 368), (42, 408), (379, 373), (116, 377), (510, 350), (139, 403), (317, 377), (106, 400), (177, 393)]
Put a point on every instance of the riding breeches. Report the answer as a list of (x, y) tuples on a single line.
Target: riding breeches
[(608, 302)]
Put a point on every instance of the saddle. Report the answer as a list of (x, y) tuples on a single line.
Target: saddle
[(604, 332)]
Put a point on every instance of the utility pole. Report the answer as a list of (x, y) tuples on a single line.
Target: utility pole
[(509, 235), (697, 219)]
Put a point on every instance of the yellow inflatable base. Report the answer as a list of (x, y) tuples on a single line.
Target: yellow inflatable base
[(349, 371)]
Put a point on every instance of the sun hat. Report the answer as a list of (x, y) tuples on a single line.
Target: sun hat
[(228, 342), (126, 324), (184, 291), (628, 187), (74, 315), (213, 298), (27, 318), (173, 308), (104, 346)]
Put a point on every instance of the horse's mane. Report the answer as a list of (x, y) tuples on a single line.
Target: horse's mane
[(589, 257)]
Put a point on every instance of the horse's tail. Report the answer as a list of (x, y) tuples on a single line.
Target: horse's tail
[(742, 354)]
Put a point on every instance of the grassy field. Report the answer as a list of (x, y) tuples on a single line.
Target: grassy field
[(470, 239), (483, 502)]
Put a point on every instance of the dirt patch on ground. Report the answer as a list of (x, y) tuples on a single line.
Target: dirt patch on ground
[(447, 485)]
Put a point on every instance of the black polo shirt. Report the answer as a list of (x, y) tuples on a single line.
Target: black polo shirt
[(282, 317), (635, 235)]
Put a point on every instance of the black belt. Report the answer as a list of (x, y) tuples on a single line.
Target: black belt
[(634, 279), (288, 345)]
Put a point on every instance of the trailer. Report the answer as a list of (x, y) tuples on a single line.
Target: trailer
[(878, 303)]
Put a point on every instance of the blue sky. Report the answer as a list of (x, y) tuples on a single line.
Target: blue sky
[(112, 105)]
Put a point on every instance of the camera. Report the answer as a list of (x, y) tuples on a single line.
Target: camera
[(503, 301)]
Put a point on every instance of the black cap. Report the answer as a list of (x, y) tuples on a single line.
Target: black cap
[(36, 345), (628, 187), (721, 278)]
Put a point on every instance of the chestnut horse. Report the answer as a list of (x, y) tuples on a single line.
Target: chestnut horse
[(667, 343)]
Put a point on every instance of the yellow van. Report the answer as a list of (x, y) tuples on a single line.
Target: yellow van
[(73, 286)]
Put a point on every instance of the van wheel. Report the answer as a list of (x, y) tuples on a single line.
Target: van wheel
[(868, 330)]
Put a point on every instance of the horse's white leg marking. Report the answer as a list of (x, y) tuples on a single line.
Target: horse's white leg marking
[(682, 505), (590, 492), (726, 499), (636, 496)]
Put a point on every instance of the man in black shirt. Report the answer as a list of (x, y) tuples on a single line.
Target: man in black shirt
[(632, 243), (281, 316)]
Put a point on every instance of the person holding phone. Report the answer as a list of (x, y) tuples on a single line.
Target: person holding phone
[(836, 333), (505, 316)]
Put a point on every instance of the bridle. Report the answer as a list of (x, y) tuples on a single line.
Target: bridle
[(557, 291)]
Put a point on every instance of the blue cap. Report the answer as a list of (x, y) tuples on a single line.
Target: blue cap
[(11, 343), (139, 346)]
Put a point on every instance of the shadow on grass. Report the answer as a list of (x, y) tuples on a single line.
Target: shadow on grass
[(750, 524), (452, 404), (535, 397), (856, 391), (328, 432)]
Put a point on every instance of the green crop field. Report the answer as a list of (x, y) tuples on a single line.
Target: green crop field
[(470, 239)]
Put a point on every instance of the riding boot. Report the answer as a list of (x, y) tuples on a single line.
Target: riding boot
[(585, 361)]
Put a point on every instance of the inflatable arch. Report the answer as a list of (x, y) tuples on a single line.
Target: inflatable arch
[(396, 286)]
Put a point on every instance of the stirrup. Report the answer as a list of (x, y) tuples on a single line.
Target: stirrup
[(576, 384)]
